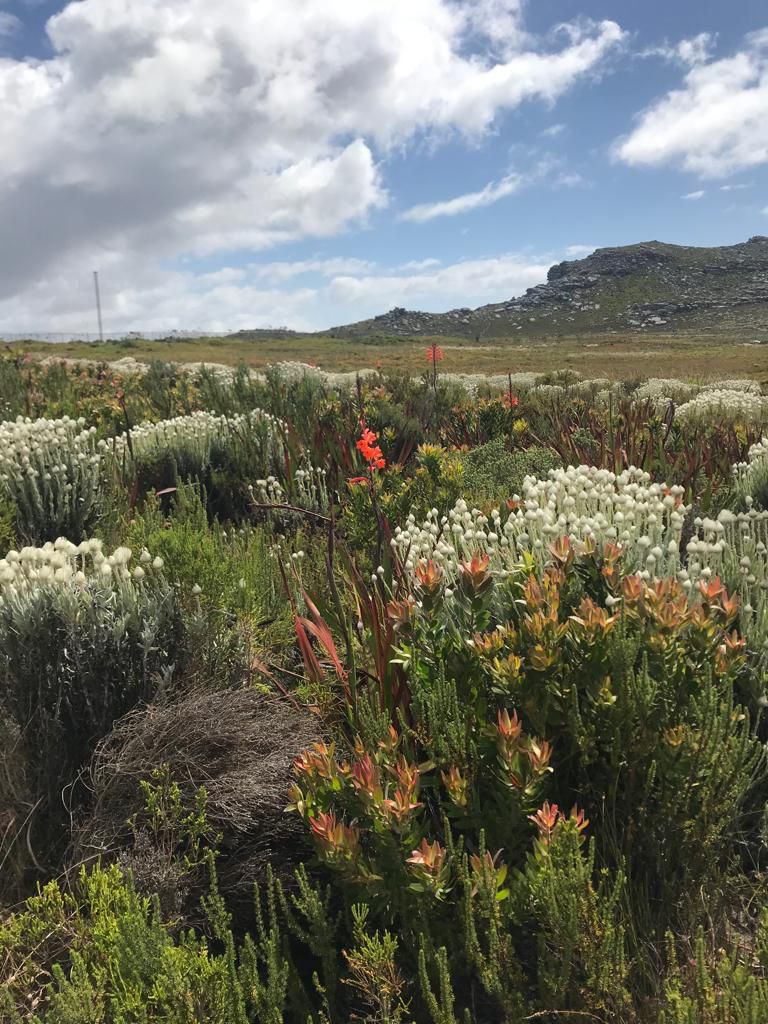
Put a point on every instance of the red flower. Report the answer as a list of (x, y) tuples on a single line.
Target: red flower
[(369, 449), (434, 354)]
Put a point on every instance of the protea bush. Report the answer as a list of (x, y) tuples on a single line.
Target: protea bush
[(490, 695)]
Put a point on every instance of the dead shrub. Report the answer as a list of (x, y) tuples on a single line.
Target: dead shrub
[(239, 745)]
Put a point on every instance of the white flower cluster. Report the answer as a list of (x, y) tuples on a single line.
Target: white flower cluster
[(195, 435), (661, 391), (474, 383), (308, 489), (548, 391), (595, 385), (725, 406), (51, 470), (752, 387), (584, 504), (63, 563), (751, 477), (294, 372), (735, 548), (34, 448), (594, 505)]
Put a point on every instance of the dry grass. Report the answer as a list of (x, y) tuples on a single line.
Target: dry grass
[(239, 745), (616, 356)]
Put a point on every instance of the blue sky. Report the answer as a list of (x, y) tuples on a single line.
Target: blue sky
[(312, 164)]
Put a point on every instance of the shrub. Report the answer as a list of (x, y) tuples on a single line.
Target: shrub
[(83, 638), (103, 953), (223, 453), (236, 744), (51, 473), (572, 679), (227, 582), (492, 471)]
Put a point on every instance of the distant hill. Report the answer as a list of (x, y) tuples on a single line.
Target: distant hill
[(651, 286)]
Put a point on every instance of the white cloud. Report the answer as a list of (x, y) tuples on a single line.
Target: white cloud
[(284, 271), (734, 188), (715, 124), (697, 49), (548, 169), (688, 52), (263, 295), (553, 131), (492, 193), (576, 252), (468, 283), (425, 264), (765, 210), (165, 127), (699, 194), (568, 179), (9, 24)]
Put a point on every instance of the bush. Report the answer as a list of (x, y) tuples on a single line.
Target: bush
[(575, 683), (83, 638), (493, 472), (224, 454), (227, 582), (51, 475), (103, 953), (239, 746)]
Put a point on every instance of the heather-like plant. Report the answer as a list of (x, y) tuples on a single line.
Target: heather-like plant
[(723, 988), (104, 953)]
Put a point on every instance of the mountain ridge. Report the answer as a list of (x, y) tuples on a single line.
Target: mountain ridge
[(649, 286)]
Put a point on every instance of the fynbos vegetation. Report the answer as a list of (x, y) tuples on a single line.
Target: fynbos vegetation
[(332, 697)]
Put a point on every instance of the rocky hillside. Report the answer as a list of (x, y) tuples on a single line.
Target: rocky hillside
[(647, 287)]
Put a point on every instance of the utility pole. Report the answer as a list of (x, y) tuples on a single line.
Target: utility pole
[(98, 303)]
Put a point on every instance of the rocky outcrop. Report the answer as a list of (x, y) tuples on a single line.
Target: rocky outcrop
[(652, 286)]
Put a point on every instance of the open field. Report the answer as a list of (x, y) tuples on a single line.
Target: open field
[(593, 356)]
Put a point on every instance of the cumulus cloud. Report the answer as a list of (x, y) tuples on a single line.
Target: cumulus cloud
[(436, 289), (164, 127), (303, 295), (715, 124)]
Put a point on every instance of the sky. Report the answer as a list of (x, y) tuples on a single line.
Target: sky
[(270, 163)]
